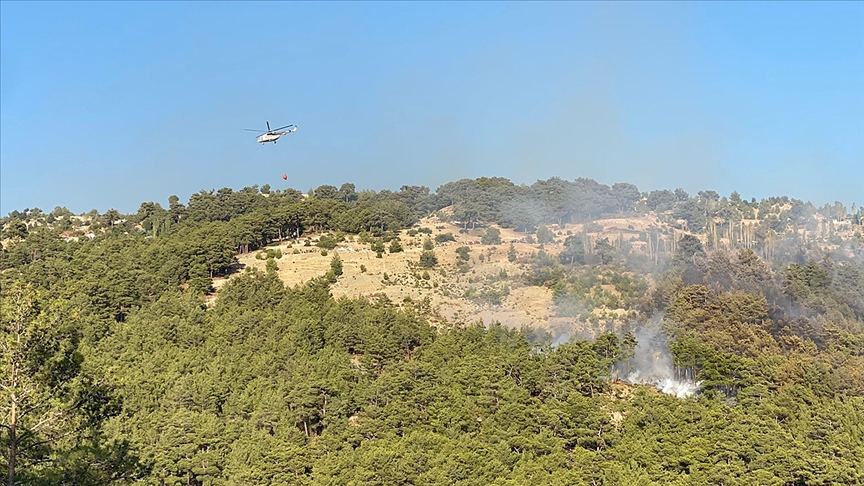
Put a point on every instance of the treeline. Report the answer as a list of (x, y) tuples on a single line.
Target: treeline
[(259, 216)]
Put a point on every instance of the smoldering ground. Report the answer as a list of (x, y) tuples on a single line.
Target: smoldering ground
[(652, 364)]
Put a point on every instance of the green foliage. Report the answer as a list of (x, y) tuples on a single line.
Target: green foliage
[(444, 237), (327, 242), (428, 245), (15, 229), (688, 246), (199, 281), (492, 236), (693, 213), (662, 200), (51, 408), (362, 268), (605, 251), (336, 265), (511, 253), (545, 235), (589, 288), (395, 246), (574, 251), (378, 247), (135, 380), (462, 253), (274, 253), (428, 259)]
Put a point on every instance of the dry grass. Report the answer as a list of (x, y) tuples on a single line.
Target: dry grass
[(445, 288)]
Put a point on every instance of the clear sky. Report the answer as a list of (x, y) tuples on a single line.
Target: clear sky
[(111, 104)]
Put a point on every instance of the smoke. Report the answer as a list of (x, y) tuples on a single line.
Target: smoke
[(652, 364), (563, 338)]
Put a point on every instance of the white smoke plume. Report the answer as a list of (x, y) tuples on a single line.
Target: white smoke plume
[(652, 364), (561, 339)]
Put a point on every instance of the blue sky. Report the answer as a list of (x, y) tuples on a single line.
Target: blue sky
[(111, 104)]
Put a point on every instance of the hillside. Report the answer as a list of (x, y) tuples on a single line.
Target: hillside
[(560, 333), (523, 306)]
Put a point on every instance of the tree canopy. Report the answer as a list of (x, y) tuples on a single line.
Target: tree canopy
[(116, 370)]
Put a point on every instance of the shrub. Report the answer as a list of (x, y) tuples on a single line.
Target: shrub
[(269, 253), (462, 253), (428, 259), (491, 237), (395, 246), (545, 235), (336, 265), (378, 247), (327, 242), (271, 266), (442, 237)]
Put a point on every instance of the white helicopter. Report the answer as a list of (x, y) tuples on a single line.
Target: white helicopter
[(272, 135)]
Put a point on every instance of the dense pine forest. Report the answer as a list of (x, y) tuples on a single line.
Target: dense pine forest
[(123, 363)]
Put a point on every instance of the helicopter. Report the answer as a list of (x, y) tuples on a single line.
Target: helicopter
[(274, 134)]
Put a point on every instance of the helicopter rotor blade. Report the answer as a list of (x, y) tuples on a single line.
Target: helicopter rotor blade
[(254, 130), (280, 128), (268, 127)]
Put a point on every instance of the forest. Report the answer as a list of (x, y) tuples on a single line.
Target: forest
[(123, 364)]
